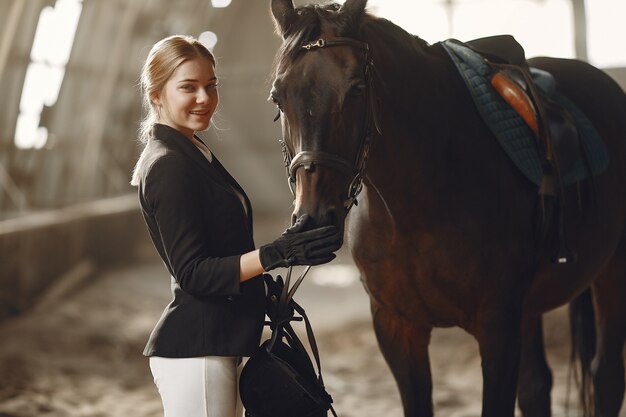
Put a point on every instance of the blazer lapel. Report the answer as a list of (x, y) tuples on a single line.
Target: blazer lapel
[(176, 140), (214, 170), (236, 186)]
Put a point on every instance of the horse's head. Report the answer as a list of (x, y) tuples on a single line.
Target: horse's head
[(321, 89)]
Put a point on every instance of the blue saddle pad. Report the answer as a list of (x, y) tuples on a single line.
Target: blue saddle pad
[(515, 137)]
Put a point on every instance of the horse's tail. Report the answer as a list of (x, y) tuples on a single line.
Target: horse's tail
[(583, 333)]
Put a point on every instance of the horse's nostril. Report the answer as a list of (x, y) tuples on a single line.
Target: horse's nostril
[(304, 220), (319, 218)]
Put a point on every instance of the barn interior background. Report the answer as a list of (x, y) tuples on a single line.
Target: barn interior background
[(79, 283)]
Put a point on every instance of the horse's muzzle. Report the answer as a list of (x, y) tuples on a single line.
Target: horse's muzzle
[(320, 216)]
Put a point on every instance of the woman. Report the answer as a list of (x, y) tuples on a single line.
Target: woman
[(199, 220)]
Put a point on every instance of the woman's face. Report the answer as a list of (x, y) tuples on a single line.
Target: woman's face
[(189, 97)]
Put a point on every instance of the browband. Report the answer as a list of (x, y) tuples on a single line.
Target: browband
[(323, 43)]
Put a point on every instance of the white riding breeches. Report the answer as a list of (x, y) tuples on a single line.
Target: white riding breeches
[(198, 387)]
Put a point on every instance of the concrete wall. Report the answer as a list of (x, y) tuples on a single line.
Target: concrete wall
[(45, 255)]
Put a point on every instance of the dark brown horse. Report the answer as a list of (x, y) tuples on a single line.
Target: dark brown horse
[(444, 233)]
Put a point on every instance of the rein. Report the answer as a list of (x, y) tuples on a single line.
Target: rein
[(308, 159)]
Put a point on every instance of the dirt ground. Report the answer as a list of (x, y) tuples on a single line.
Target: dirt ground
[(82, 356)]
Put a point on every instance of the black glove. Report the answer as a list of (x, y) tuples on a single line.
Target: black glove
[(274, 291), (297, 247)]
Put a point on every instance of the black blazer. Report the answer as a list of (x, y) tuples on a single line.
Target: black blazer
[(199, 227)]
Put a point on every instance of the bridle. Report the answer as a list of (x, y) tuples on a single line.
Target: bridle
[(308, 159)]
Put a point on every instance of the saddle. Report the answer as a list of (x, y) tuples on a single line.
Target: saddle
[(528, 91)]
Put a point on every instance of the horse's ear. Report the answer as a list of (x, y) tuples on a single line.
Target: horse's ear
[(353, 8), (284, 14)]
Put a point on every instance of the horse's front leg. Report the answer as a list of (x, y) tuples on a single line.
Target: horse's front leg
[(497, 331), (405, 348), (535, 377)]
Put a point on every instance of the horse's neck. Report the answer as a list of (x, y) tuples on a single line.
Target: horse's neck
[(415, 100), (414, 82), (413, 90)]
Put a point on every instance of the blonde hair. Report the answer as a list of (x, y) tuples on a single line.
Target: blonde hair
[(163, 59)]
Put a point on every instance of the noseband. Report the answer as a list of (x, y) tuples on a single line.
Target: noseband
[(308, 159)]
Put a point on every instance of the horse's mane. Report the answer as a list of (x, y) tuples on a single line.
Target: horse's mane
[(380, 32)]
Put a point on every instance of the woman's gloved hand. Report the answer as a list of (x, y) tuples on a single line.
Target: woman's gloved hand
[(298, 247), (274, 291)]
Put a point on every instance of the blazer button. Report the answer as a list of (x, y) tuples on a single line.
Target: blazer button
[(229, 298)]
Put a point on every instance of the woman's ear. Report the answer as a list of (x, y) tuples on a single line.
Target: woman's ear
[(156, 100)]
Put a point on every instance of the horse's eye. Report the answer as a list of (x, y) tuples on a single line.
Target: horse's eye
[(357, 90)]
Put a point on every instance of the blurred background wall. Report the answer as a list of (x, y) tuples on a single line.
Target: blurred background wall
[(70, 109), (71, 104)]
